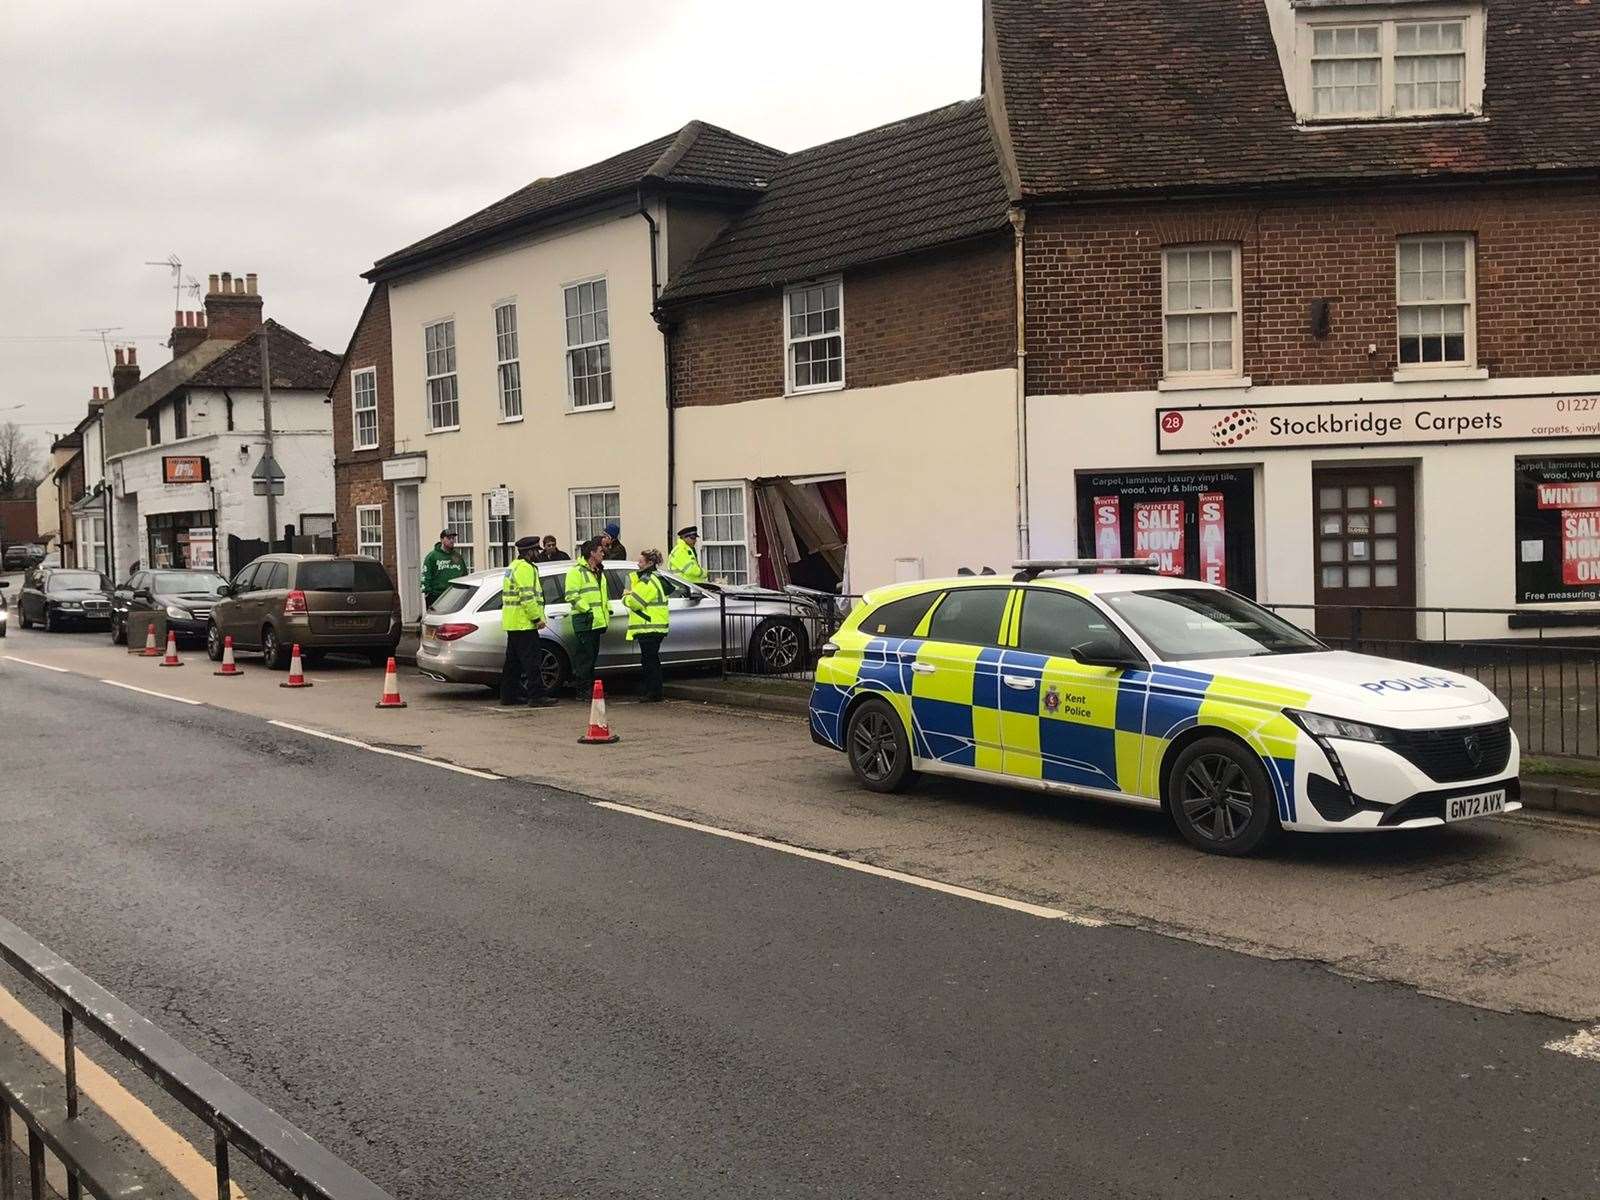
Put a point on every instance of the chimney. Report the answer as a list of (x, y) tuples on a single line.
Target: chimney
[(188, 331), (232, 310), (97, 397), (126, 373)]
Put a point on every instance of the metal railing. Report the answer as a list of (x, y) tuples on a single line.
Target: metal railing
[(236, 1119), (778, 636), (1548, 681)]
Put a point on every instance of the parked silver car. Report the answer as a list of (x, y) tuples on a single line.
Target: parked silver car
[(462, 641)]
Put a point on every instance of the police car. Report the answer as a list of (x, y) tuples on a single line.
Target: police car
[(1101, 679)]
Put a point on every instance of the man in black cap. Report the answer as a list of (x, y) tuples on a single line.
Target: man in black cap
[(685, 563), (522, 616)]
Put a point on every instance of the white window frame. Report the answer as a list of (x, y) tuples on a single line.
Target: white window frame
[(451, 373), (365, 545), (356, 410), (467, 545), (1388, 20), (1236, 371), (572, 511), (707, 527), (603, 344), (507, 362), (790, 341), (493, 544), (1452, 368)]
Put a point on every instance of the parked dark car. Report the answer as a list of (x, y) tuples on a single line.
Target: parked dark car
[(186, 595), (5, 613), (59, 597), (22, 554), (323, 603)]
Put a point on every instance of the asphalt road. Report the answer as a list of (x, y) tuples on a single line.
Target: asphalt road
[(472, 987)]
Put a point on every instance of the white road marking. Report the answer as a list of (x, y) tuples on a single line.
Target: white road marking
[(128, 687), (933, 885), (169, 1148), (416, 758), (28, 662), (1585, 1043)]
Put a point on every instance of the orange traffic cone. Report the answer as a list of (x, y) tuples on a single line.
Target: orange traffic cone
[(229, 667), (149, 650), (172, 659), (391, 689), (599, 731), (297, 671)]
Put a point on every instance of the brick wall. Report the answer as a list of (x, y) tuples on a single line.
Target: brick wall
[(358, 474), (947, 312), (1094, 283)]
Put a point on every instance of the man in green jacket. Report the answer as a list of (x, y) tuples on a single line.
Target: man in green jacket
[(591, 613), (444, 563), (685, 561), (522, 616)]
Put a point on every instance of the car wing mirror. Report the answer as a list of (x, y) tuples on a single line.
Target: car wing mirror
[(224, 589), (1092, 654)]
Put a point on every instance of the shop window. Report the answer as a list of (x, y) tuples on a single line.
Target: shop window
[(1557, 550), (1199, 524)]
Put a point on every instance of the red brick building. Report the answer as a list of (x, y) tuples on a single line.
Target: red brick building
[(365, 521), (1318, 282)]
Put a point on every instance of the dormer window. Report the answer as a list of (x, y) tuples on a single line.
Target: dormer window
[(1361, 62)]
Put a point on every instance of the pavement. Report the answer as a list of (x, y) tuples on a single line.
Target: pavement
[(472, 986)]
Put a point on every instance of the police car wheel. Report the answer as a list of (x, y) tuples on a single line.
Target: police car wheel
[(1220, 798), (880, 754)]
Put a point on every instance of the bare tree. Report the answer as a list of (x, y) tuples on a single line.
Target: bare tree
[(19, 458)]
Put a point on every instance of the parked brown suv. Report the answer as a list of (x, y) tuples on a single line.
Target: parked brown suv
[(323, 603)]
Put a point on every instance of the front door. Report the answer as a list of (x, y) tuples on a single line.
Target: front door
[(1366, 553), (408, 552)]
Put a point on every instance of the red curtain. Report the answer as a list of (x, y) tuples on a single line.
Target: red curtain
[(832, 492)]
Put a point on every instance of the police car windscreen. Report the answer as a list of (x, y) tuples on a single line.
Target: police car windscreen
[(343, 575), (1183, 623)]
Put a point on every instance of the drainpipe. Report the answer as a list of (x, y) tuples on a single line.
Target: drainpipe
[(1024, 536), (666, 363)]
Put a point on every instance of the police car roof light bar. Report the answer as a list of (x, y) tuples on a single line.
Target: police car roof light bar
[(1032, 568)]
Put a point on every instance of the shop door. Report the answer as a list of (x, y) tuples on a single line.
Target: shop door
[(1366, 554)]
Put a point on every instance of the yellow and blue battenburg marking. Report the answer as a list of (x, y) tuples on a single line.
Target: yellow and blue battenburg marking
[(1082, 726)]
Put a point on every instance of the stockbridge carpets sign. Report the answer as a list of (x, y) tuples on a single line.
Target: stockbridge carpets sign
[(1379, 423), (1558, 530)]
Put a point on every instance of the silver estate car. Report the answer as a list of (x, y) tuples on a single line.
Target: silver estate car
[(462, 641)]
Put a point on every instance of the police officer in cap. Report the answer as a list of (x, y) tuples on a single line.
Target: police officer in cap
[(685, 562), (522, 616)]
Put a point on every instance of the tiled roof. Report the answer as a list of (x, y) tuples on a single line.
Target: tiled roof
[(1108, 96), (697, 156), (296, 363), (917, 183), (165, 379)]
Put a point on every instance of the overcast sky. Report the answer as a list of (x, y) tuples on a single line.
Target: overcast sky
[(302, 140)]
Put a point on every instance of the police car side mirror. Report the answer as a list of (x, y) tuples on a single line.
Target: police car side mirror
[(1091, 654)]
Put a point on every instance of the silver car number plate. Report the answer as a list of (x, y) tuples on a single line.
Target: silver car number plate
[(1480, 804)]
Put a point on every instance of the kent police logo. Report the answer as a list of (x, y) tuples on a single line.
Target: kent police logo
[(1052, 700)]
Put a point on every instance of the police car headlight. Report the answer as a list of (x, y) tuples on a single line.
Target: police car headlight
[(1319, 726)]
